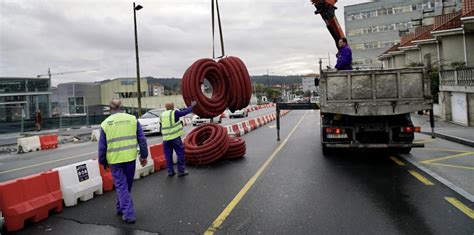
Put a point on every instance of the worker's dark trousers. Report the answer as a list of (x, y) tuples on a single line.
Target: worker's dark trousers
[(122, 174), (168, 147)]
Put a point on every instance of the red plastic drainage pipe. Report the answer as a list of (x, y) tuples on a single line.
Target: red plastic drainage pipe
[(237, 148), (230, 83)]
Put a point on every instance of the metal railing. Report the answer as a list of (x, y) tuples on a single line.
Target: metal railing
[(457, 77)]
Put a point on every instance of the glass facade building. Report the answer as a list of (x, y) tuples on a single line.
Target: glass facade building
[(23, 96)]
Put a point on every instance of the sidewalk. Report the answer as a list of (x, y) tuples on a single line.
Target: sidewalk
[(445, 130), (11, 138)]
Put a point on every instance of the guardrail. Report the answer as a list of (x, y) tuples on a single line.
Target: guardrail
[(457, 77)]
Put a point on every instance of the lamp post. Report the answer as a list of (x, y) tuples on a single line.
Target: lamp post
[(139, 92)]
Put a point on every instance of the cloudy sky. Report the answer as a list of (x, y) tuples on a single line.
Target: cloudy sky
[(281, 36)]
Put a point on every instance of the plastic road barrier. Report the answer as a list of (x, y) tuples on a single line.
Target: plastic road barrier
[(95, 135), (29, 144), (230, 131), (142, 171), (107, 180), (237, 130), (30, 197), (253, 124), (247, 126), (80, 181), (158, 156), (48, 141), (243, 131)]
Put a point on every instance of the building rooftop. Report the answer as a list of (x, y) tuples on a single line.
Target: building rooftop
[(29, 78), (447, 21)]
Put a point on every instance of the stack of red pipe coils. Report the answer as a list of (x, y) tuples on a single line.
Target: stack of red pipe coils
[(209, 143), (230, 81)]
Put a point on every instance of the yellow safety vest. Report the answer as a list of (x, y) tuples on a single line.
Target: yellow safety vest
[(121, 133), (169, 128)]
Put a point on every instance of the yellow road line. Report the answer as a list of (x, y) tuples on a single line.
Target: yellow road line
[(447, 157), (272, 126), (424, 141), (420, 177), (44, 163), (466, 210), (454, 166), (445, 150), (396, 160), (226, 212)]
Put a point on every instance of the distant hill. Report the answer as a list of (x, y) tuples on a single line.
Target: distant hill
[(172, 83)]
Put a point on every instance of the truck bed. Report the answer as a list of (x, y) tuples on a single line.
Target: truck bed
[(375, 92)]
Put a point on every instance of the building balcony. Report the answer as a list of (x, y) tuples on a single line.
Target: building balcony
[(458, 80)]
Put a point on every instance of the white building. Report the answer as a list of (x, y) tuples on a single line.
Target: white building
[(308, 84)]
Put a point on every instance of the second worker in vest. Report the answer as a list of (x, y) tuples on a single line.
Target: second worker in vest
[(119, 136), (172, 130)]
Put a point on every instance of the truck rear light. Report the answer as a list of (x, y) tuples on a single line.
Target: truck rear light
[(336, 133), (410, 129), (330, 130)]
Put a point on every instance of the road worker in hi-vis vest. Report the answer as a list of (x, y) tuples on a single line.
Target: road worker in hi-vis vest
[(120, 135), (172, 130)]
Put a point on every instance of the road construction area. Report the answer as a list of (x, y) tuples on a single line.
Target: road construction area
[(279, 187)]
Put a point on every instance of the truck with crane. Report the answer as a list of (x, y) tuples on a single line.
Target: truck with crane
[(366, 109)]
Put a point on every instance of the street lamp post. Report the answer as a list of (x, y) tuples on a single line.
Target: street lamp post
[(139, 92)]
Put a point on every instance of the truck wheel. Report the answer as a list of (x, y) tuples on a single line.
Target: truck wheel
[(404, 150)]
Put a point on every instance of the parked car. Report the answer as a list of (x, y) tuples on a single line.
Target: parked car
[(150, 121), (239, 113), (196, 120)]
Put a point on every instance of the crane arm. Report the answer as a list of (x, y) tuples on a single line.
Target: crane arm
[(327, 8), (62, 73)]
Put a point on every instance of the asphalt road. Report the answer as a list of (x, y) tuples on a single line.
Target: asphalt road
[(15, 165), (279, 188)]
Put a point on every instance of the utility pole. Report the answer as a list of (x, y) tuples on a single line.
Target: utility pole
[(139, 92)]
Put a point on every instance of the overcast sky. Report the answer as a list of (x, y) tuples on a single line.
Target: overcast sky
[(281, 36)]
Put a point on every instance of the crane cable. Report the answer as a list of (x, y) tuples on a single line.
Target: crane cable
[(220, 29)]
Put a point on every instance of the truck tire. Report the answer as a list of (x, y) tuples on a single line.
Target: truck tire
[(404, 150)]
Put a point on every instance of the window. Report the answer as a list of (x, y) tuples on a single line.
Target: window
[(76, 105), (12, 86)]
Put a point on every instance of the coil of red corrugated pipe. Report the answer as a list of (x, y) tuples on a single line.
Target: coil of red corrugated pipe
[(237, 148), (206, 144), (191, 86), (240, 86)]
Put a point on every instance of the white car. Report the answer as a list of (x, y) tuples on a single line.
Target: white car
[(150, 121), (239, 113), (196, 120)]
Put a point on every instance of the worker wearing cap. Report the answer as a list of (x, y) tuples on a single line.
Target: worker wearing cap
[(344, 56), (172, 130), (119, 137)]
